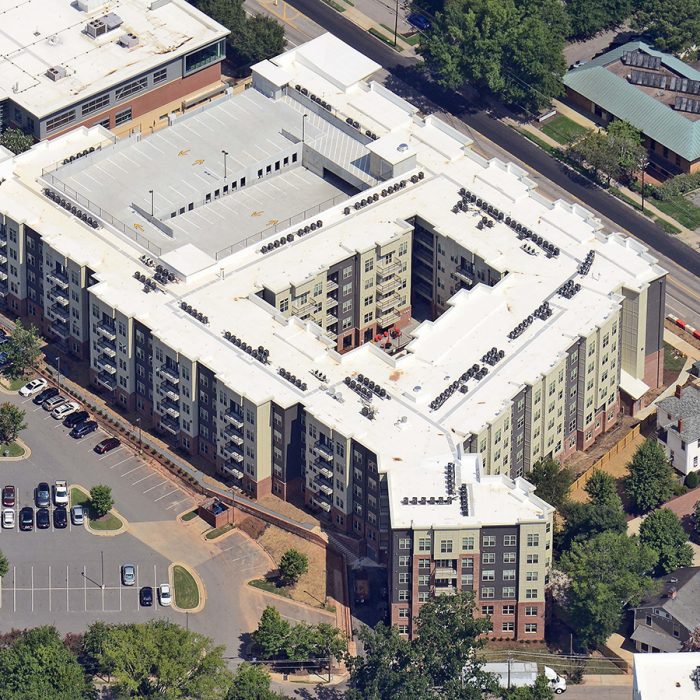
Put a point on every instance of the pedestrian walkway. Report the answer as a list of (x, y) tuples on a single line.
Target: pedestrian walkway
[(359, 18), (681, 344)]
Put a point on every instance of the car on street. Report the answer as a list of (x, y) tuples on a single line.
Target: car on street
[(53, 402), (65, 410), (44, 395), (8, 496), (42, 495), (43, 519), (419, 22), (83, 429), (60, 493), (8, 518), (26, 518), (33, 387), (164, 595), (107, 445), (60, 517), (146, 596), (128, 574), (77, 515), (76, 419)]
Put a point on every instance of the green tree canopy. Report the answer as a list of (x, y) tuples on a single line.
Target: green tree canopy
[(101, 500), (23, 349), (541, 690), (650, 480), (293, 565), (11, 421), (601, 487), (588, 17), (606, 573), (671, 25), (271, 636), (16, 140), (552, 481), (252, 682), (38, 666), (662, 531), (4, 565), (696, 523)]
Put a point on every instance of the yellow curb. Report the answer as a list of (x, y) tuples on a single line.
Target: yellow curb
[(179, 517), (201, 588), (27, 452), (114, 511), (218, 538)]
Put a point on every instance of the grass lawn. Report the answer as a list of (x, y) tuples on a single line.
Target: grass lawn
[(388, 41), (542, 144), (14, 384), (673, 359), (190, 516), (667, 226), (106, 522), (185, 589), (562, 129), (218, 531), (265, 585), (78, 498), (683, 211), (13, 449)]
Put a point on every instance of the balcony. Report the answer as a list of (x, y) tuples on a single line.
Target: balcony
[(3, 259), (445, 590), (386, 318), (60, 312), (388, 302), (231, 452), (301, 306), (3, 276), (106, 381), (331, 303), (107, 348), (235, 438), (423, 255), (230, 469), (170, 374), (60, 328), (321, 504), (57, 295), (325, 471), (106, 366), (234, 419), (465, 274), (331, 286), (389, 286), (327, 490), (323, 451), (58, 278), (170, 425), (445, 573), (3, 242), (390, 267), (170, 393), (106, 331), (171, 408)]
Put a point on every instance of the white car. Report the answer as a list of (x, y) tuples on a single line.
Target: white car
[(164, 596), (8, 518), (60, 493), (33, 387), (65, 410)]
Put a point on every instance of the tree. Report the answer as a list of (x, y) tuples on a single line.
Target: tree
[(593, 148), (11, 422), (23, 349), (693, 641), (101, 500), (271, 636), (16, 140), (552, 481), (625, 141), (38, 665), (606, 573), (4, 565), (650, 480), (601, 488), (671, 25), (541, 690), (662, 531), (293, 565), (588, 17), (695, 534), (159, 659), (93, 646), (251, 682)]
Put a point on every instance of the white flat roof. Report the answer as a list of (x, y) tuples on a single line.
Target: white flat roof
[(36, 35), (666, 676)]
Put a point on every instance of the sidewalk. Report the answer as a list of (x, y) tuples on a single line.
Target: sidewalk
[(359, 18)]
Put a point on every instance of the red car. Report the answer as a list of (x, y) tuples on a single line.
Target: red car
[(107, 445), (8, 496)]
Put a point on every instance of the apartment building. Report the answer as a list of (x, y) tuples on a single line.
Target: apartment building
[(124, 65), (243, 301)]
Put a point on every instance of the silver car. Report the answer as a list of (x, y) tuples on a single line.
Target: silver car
[(53, 402), (77, 515), (128, 574)]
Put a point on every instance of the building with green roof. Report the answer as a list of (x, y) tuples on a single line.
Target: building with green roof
[(654, 91)]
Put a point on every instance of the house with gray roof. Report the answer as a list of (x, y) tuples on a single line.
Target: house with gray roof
[(663, 621), (654, 91), (678, 428)]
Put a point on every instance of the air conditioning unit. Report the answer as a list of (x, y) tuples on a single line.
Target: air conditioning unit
[(56, 73), (128, 41)]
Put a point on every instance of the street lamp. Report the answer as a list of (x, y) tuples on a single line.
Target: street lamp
[(151, 193), (102, 558), (643, 164), (225, 154), (58, 369), (303, 130), (138, 423), (396, 22)]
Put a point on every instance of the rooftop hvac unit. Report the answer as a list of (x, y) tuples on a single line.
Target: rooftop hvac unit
[(128, 41), (56, 73), (95, 28)]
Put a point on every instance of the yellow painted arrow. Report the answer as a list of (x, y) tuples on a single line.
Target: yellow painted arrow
[(138, 227), (272, 222), (256, 213), (184, 153), (198, 162)]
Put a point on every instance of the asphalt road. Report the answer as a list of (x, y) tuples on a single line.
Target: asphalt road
[(682, 262)]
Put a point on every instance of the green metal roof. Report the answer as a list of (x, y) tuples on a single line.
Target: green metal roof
[(626, 101)]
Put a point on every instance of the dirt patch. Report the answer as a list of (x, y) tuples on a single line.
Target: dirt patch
[(688, 337), (252, 526), (288, 509)]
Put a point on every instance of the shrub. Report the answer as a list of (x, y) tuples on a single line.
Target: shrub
[(692, 480), (679, 185)]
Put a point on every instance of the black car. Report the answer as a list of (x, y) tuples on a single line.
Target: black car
[(107, 445), (44, 395), (146, 596), (26, 518), (83, 429), (43, 520), (60, 517), (42, 495), (76, 419)]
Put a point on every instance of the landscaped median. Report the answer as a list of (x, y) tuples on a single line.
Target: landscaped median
[(109, 524), (188, 589)]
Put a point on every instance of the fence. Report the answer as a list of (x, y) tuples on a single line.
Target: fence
[(567, 664)]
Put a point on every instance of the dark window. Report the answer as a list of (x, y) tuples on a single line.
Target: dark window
[(122, 117), (160, 75), (204, 57)]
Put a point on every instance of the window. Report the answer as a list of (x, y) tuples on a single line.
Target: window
[(530, 611), (488, 558), (61, 120), (367, 318), (509, 557), (405, 543), (467, 544), (122, 117), (403, 629), (533, 540), (404, 578), (467, 563), (204, 56), (467, 580), (488, 541), (95, 105), (533, 558), (369, 265), (509, 591), (530, 593), (488, 575), (648, 620), (423, 579), (424, 544), (509, 540), (487, 609), (284, 305), (487, 593), (130, 89), (508, 626), (509, 574), (404, 596), (159, 76), (423, 596), (531, 576), (403, 613), (530, 627), (404, 560), (508, 609), (445, 546)]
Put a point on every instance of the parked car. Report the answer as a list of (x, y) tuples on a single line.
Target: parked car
[(128, 574), (419, 22), (146, 596), (65, 410), (26, 518), (8, 496), (43, 521), (60, 517), (8, 518), (83, 429), (42, 495), (60, 493), (42, 396), (77, 515), (53, 402), (107, 445), (164, 596), (33, 387), (76, 419)]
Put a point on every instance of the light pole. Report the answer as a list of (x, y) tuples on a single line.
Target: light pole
[(102, 558), (643, 164), (396, 21), (225, 154), (303, 129), (138, 423), (151, 193), (58, 369)]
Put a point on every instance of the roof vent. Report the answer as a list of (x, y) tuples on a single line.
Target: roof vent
[(402, 147), (102, 25), (56, 73), (128, 41)]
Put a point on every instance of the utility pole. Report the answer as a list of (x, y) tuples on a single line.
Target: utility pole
[(102, 558), (138, 423), (151, 193), (225, 154), (396, 22)]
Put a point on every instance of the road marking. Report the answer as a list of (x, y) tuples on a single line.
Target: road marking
[(148, 476), (122, 461), (67, 584), (85, 587), (170, 493), (155, 580), (156, 486), (32, 589), (138, 601), (0, 594), (14, 589), (176, 504), (49, 587), (132, 470), (111, 454)]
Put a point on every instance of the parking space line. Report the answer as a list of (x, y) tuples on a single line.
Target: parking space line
[(67, 589), (176, 504), (138, 600), (148, 476), (170, 493), (32, 589), (110, 454), (49, 587), (14, 589), (138, 466), (156, 486), (122, 461), (85, 587)]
